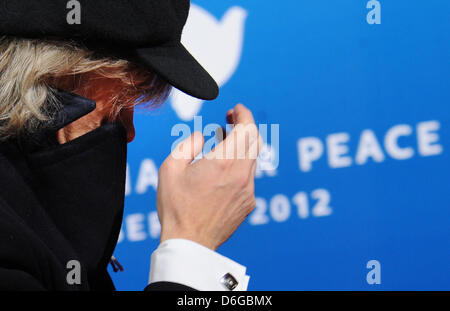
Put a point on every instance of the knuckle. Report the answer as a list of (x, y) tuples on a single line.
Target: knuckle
[(223, 164), (167, 165), (243, 180), (251, 204)]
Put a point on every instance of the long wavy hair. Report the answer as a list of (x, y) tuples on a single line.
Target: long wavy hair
[(31, 71)]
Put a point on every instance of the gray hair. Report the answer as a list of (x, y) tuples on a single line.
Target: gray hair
[(27, 69)]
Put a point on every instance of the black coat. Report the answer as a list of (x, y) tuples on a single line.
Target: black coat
[(60, 203)]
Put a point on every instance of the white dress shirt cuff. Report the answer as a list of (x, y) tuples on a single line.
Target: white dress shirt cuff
[(191, 264)]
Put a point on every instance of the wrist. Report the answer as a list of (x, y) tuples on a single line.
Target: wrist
[(188, 236)]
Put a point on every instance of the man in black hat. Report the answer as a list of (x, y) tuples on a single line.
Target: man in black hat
[(68, 88)]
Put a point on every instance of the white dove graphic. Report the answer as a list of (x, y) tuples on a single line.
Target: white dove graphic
[(217, 45)]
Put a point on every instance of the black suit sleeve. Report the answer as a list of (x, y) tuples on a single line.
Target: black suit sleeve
[(16, 280), (168, 286)]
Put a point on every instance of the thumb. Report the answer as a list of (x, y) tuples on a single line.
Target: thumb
[(242, 115), (188, 149)]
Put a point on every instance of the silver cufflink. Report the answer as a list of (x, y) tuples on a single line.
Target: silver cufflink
[(229, 281)]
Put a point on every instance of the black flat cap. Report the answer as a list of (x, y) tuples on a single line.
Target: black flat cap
[(147, 32)]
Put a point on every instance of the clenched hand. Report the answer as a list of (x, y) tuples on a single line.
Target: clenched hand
[(206, 201)]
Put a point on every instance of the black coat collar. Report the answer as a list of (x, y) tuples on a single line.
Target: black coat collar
[(74, 192), (70, 107)]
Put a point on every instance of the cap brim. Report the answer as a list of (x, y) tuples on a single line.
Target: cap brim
[(175, 64)]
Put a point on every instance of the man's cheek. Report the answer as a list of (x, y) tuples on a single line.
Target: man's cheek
[(126, 117)]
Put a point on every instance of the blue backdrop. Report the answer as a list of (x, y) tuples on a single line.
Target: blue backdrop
[(360, 90)]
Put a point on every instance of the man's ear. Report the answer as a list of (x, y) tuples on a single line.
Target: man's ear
[(80, 127)]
